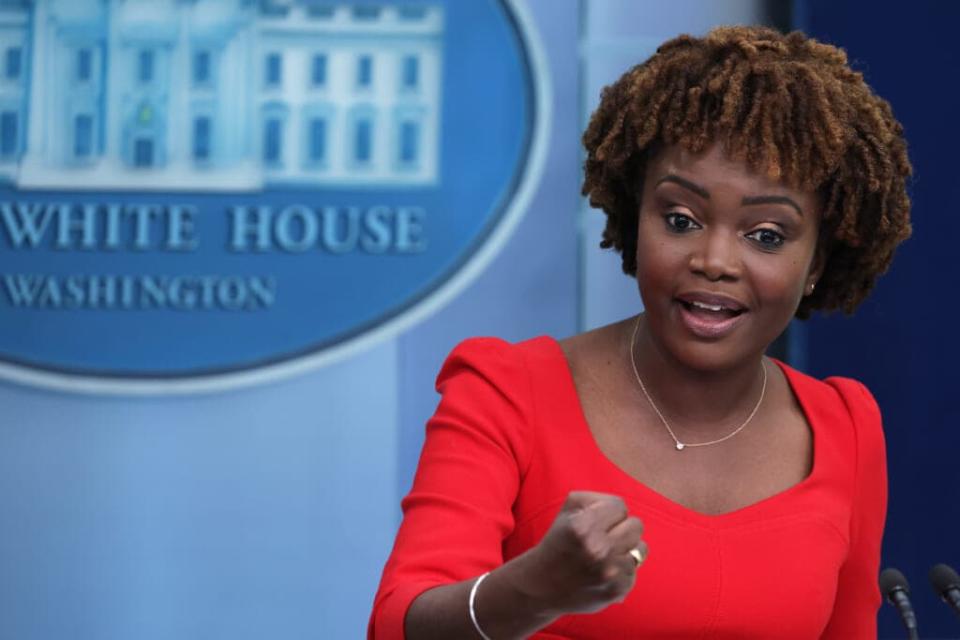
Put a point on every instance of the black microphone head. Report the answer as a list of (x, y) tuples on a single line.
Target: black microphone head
[(892, 580), (943, 578)]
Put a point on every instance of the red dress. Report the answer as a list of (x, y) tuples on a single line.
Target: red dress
[(509, 441)]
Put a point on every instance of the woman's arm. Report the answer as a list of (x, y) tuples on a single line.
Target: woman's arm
[(459, 512), (581, 565), (502, 607), (858, 595)]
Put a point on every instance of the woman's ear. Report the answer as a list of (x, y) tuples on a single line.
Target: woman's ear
[(816, 270)]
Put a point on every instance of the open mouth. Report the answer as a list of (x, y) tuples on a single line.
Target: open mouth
[(714, 311), (710, 319)]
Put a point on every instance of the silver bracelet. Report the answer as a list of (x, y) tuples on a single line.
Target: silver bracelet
[(473, 613)]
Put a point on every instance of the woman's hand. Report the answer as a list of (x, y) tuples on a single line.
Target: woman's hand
[(583, 564)]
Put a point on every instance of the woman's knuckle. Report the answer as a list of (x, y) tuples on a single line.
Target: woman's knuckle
[(596, 548), (580, 525)]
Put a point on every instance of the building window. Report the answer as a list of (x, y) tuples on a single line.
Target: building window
[(273, 141), (409, 142), (411, 72), (318, 140), (318, 70), (274, 8), (82, 136), (145, 67), (8, 133), (143, 152), (201, 138), (363, 141), (364, 71), (320, 11), (366, 12), (273, 70), (201, 68), (84, 65), (14, 58), (412, 13)]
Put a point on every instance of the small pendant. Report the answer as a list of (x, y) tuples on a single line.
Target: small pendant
[(680, 446)]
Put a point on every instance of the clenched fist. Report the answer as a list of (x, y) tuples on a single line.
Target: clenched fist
[(584, 562)]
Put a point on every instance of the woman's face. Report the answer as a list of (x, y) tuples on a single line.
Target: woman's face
[(724, 256)]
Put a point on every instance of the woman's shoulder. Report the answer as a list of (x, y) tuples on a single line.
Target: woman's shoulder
[(852, 393), (499, 362), (488, 351), (841, 401), (578, 350)]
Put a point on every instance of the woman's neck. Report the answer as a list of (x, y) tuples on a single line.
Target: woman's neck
[(696, 402)]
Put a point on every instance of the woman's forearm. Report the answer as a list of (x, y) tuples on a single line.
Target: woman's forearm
[(506, 607)]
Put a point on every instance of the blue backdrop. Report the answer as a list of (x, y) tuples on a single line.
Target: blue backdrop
[(901, 343)]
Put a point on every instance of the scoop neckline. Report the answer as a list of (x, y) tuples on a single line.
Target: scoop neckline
[(669, 506)]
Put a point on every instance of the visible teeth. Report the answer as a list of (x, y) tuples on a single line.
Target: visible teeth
[(709, 307)]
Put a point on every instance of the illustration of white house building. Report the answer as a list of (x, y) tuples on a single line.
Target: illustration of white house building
[(218, 94), (14, 23)]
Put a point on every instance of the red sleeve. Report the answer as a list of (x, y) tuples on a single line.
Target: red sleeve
[(460, 507), (858, 594)]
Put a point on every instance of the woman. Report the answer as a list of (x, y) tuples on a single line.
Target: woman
[(747, 177)]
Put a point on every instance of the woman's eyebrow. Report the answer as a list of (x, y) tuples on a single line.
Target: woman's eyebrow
[(683, 182), (749, 200)]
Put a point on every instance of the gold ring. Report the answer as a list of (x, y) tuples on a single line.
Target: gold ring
[(638, 556)]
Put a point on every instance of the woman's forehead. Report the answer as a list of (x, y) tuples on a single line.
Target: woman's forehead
[(713, 165), (714, 175)]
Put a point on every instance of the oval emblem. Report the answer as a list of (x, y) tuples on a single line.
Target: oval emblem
[(227, 191)]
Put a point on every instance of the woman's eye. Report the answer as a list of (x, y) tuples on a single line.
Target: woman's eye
[(768, 238), (680, 223)]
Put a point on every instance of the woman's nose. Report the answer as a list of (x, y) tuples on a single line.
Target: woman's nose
[(717, 256)]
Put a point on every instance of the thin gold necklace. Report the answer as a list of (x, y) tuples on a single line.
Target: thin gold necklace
[(683, 445)]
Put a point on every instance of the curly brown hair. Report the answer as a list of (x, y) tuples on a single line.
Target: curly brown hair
[(787, 105)]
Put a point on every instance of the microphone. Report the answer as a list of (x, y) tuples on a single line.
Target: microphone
[(946, 583), (895, 587)]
